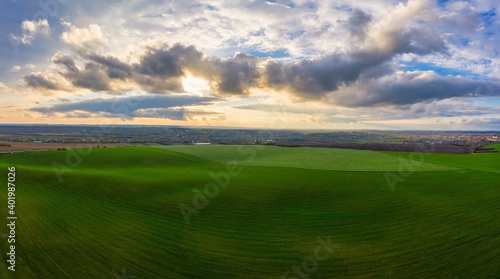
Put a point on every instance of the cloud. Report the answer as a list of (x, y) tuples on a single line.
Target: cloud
[(355, 75), (5, 89), (160, 69), (41, 81), (30, 66), (15, 69), (235, 75), (285, 109), (491, 123), (151, 106), (93, 76), (357, 24), (83, 39), (360, 78), (168, 62), (453, 107), (325, 60), (394, 35), (447, 108), (408, 29), (46, 82), (114, 68), (182, 114), (32, 29), (163, 113), (65, 60), (314, 78), (412, 87)]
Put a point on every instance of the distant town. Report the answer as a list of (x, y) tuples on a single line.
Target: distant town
[(116, 135)]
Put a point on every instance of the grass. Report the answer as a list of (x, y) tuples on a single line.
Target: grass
[(118, 211), (476, 161), (305, 157), (495, 146)]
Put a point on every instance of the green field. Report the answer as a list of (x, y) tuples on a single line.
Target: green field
[(306, 157), (495, 146), (116, 214), (481, 162)]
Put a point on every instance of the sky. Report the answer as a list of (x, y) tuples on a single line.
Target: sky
[(275, 64)]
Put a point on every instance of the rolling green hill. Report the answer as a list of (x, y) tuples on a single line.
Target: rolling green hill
[(116, 214)]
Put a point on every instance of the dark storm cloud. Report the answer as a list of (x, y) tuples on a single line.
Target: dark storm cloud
[(357, 23), (65, 60), (41, 81), (168, 61), (158, 106), (94, 76), (421, 41), (412, 88), (163, 63), (235, 75), (313, 78), (91, 77), (114, 68), (378, 71), (160, 70)]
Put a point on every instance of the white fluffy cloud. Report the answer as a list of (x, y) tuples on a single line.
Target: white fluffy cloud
[(32, 29), (83, 38), (15, 69)]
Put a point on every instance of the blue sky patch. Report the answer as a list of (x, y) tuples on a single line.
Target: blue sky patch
[(442, 71)]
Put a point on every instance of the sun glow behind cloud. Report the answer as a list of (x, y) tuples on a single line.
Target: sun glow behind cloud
[(195, 86)]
